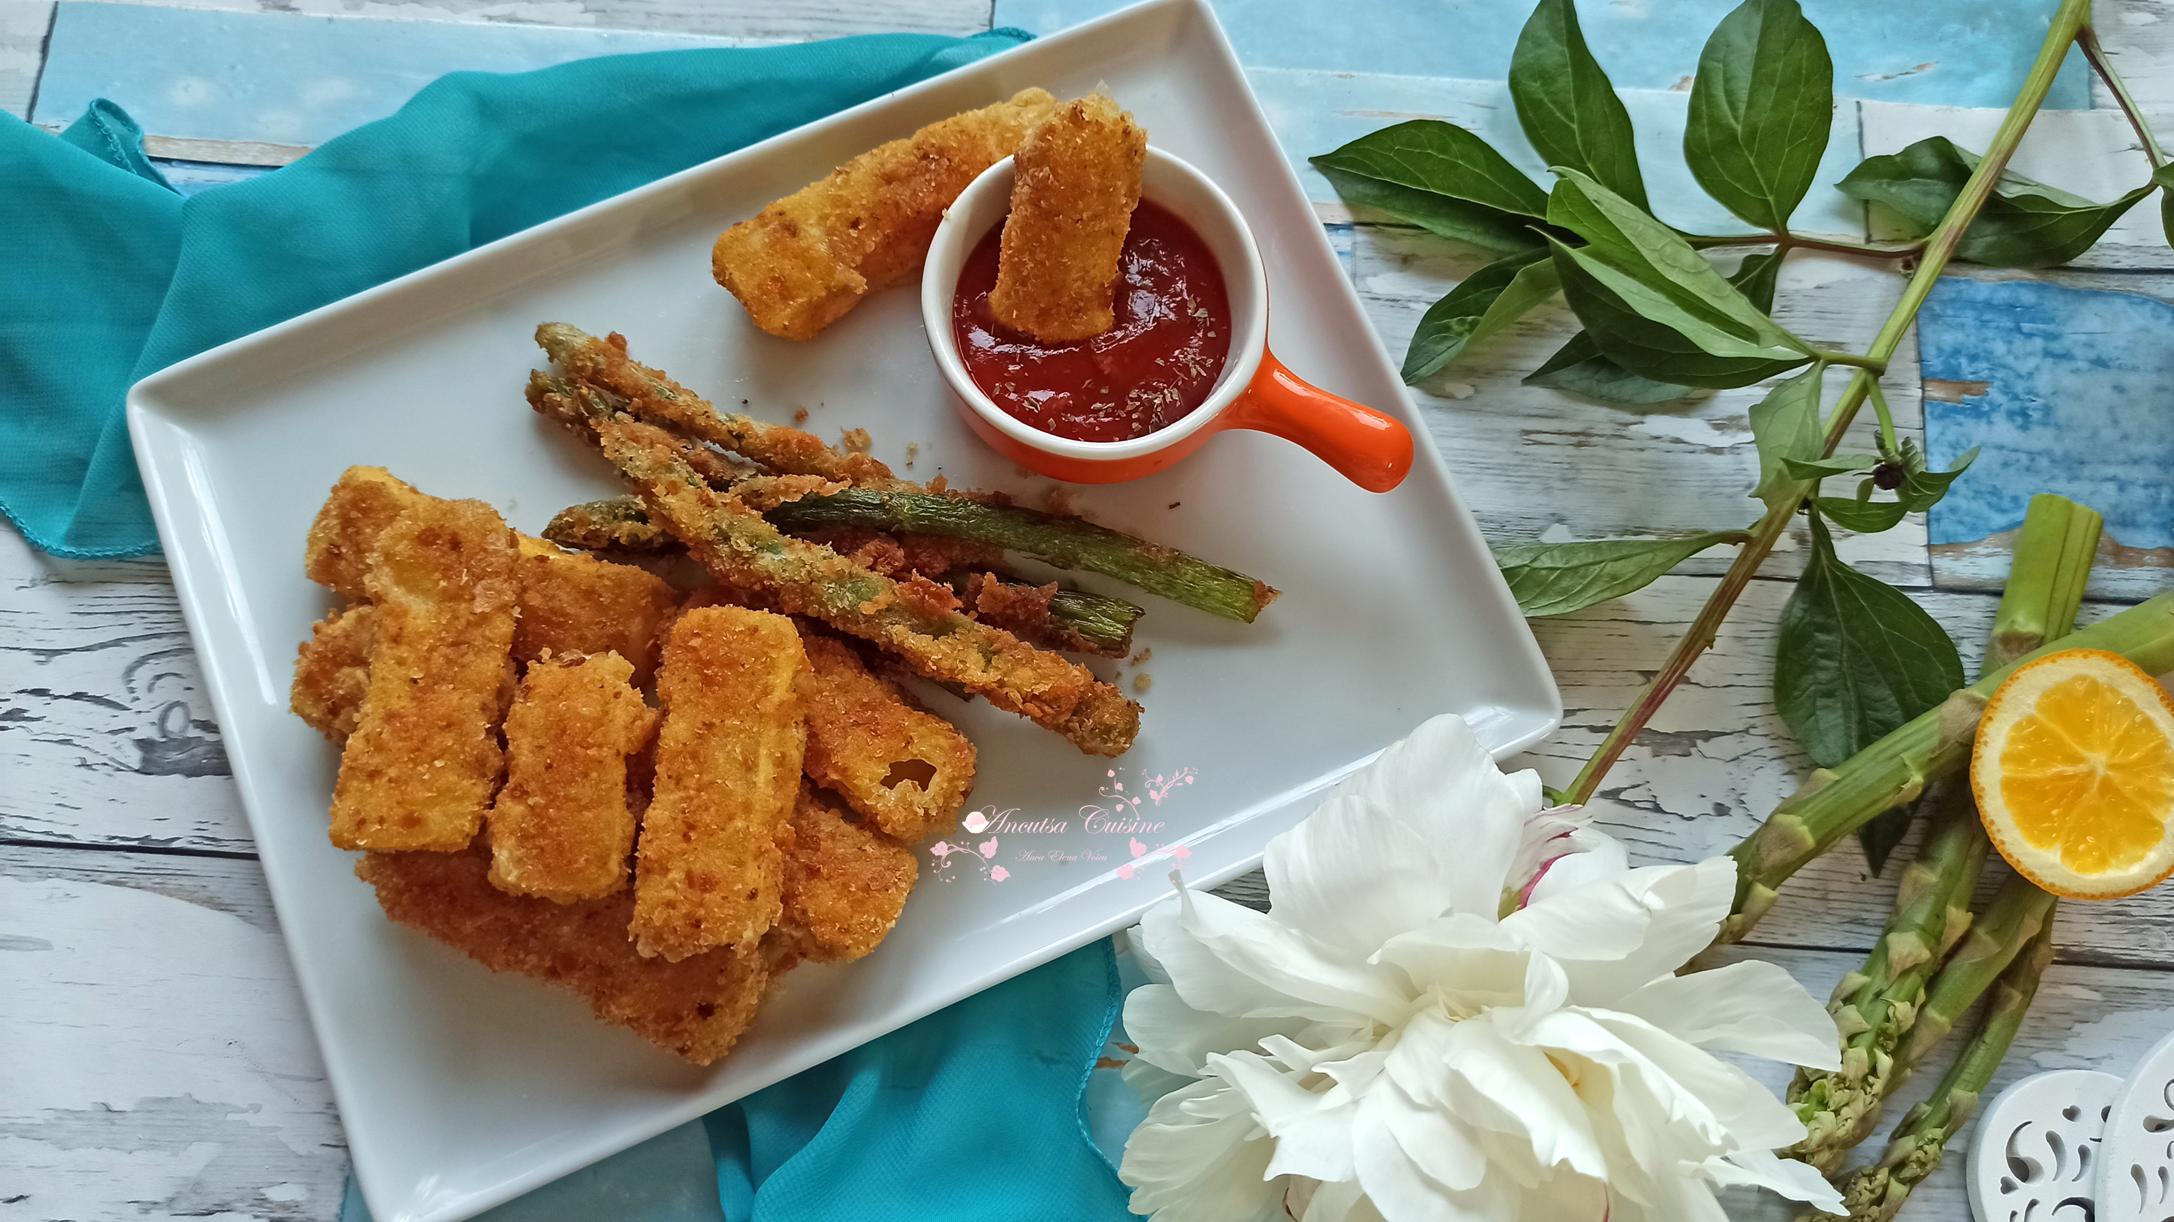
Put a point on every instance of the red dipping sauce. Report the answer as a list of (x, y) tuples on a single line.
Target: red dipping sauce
[(1152, 369)]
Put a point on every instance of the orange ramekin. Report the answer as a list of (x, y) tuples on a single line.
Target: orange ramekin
[(1255, 391)]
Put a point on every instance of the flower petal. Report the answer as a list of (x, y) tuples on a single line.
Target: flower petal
[(1174, 1036), (1353, 875), (1684, 907), (1442, 781), (1285, 971), (1312, 1134), (1751, 1007), (1765, 1169), (1199, 1157)]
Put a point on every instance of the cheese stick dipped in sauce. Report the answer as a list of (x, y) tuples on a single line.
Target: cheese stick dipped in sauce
[(1076, 180)]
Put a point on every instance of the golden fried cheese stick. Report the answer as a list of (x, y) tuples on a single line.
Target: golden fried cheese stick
[(844, 883), (907, 771), (696, 1007), (707, 871), (332, 671), (808, 258), (420, 767), (1077, 180), (561, 828), (571, 602)]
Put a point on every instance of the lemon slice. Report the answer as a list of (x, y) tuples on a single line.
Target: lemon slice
[(2073, 770)]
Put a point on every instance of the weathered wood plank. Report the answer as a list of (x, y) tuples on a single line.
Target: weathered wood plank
[(106, 735), (158, 1061), (22, 48)]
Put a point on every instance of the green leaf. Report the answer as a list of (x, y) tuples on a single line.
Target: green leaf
[(1760, 110), (1660, 275), (1922, 489), (1786, 425), (1650, 349), (2164, 177), (1580, 368), (1441, 159), (1476, 225), (1558, 578), (1809, 469), (1567, 107), (1882, 834), (1481, 305), (1862, 516), (2024, 224), (1855, 658)]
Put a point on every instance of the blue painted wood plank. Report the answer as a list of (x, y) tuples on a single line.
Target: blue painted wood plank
[(283, 78), (1949, 52), (2074, 401)]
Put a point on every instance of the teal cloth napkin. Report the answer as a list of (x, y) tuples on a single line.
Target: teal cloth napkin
[(110, 275), (972, 1113)]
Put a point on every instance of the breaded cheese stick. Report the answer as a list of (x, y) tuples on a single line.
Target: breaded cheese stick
[(561, 828), (575, 603), (906, 770), (1076, 183), (332, 671), (571, 602), (695, 1008), (805, 260), (728, 768), (420, 767), (844, 883)]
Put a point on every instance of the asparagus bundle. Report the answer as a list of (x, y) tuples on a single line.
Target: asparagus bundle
[(1885, 1003), (1877, 1192)]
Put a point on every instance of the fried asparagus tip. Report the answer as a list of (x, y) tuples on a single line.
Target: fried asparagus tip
[(649, 396)]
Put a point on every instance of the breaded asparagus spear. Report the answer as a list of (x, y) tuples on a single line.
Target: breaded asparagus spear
[(746, 552), (649, 396)]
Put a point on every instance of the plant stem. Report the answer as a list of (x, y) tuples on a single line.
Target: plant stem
[(1896, 769), (1877, 1192), (1875, 365), (1879, 1006), (2088, 39), (1839, 246), (1889, 443), (1939, 247)]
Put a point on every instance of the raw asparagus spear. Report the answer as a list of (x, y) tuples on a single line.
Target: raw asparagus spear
[(1877, 1192), (1876, 1007), (1895, 770), (2018, 912)]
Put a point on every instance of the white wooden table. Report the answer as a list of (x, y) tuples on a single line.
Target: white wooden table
[(154, 1060)]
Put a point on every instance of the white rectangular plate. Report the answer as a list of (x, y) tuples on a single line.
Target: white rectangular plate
[(461, 1089)]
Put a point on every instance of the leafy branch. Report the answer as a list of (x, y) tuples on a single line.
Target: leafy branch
[(1659, 322)]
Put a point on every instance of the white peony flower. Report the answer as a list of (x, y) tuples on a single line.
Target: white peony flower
[(1421, 1031)]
